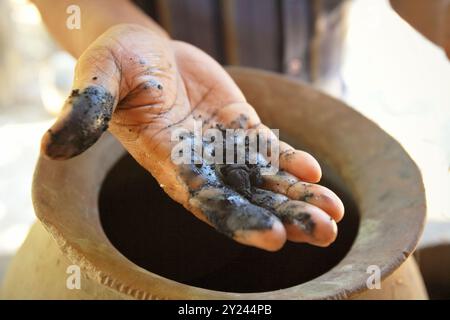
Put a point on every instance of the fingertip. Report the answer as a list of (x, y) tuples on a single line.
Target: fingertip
[(53, 147), (62, 143), (48, 149), (339, 210), (327, 235), (270, 240), (302, 165), (275, 239), (329, 202), (84, 118), (312, 225), (45, 141), (313, 171)]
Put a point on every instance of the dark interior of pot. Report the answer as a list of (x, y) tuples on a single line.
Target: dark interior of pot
[(159, 235)]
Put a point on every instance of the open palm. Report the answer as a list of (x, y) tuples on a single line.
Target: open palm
[(142, 87)]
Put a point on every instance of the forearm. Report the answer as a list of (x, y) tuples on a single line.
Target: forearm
[(96, 16)]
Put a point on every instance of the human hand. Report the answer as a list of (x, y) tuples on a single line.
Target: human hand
[(142, 87)]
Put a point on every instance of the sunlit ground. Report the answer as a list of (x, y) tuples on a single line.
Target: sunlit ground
[(392, 75)]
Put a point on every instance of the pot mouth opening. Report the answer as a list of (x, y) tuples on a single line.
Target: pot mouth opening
[(159, 235)]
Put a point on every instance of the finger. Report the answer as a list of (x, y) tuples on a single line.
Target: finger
[(228, 211), (238, 115), (299, 163), (303, 222), (211, 201), (234, 216), (87, 111), (314, 194)]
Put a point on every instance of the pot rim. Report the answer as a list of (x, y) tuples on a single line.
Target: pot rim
[(64, 190)]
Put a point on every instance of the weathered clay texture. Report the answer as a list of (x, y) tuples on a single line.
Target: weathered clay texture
[(385, 182)]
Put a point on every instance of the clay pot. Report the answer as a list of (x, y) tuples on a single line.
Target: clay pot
[(434, 265), (381, 184)]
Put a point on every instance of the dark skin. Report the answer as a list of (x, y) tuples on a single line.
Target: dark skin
[(137, 83)]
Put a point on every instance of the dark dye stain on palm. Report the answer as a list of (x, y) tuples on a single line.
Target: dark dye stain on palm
[(267, 199), (223, 193), (225, 208), (229, 195), (306, 197), (241, 122), (242, 178), (305, 221), (160, 235), (291, 214), (152, 83), (287, 212), (229, 212), (88, 114)]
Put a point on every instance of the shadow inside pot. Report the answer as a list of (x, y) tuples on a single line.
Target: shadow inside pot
[(159, 235)]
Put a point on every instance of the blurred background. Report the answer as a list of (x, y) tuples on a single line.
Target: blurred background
[(390, 73)]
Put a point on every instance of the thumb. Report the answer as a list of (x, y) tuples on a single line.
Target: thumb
[(88, 110)]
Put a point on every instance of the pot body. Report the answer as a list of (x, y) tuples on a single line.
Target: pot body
[(41, 271), (381, 177)]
